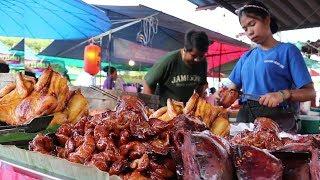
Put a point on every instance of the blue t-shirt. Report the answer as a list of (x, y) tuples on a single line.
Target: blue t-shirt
[(261, 71)]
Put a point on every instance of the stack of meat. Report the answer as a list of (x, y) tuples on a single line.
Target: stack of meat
[(273, 157), (126, 143), (27, 99), (214, 117)]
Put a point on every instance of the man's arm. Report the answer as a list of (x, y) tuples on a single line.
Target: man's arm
[(147, 89)]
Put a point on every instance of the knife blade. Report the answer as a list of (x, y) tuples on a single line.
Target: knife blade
[(252, 97)]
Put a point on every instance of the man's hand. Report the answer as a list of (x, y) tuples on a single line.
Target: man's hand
[(147, 89), (201, 90)]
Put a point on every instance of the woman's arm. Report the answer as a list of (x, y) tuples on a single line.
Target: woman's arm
[(306, 93)]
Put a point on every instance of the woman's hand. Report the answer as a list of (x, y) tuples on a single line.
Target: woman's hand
[(272, 99)]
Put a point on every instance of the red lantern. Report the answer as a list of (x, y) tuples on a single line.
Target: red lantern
[(92, 59)]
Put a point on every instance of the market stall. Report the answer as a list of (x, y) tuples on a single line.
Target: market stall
[(130, 140), (50, 129)]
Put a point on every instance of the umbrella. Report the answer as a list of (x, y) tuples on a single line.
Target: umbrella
[(51, 19), (222, 53)]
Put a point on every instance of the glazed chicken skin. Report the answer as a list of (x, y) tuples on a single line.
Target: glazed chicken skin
[(27, 100), (77, 107), (12, 96)]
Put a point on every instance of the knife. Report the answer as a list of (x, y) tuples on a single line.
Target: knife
[(252, 97), (36, 125)]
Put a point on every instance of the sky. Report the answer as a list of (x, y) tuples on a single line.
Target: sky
[(219, 20)]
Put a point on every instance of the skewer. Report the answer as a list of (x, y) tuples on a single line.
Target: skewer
[(104, 92)]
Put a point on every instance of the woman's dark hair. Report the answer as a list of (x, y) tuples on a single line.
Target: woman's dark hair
[(196, 39), (258, 9), (4, 68), (109, 70)]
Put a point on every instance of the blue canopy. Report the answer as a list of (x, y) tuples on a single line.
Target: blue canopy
[(51, 19)]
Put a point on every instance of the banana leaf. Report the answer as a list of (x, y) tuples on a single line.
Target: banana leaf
[(50, 165), (21, 139)]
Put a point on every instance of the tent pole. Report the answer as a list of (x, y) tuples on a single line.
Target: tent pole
[(100, 64), (220, 63), (109, 49)]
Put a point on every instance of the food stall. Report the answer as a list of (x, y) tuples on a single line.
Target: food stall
[(51, 130), (123, 137)]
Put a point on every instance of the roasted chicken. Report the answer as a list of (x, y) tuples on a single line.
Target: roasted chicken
[(214, 117), (25, 100), (77, 107), (12, 96)]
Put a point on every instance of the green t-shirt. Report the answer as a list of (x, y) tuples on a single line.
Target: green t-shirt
[(176, 79)]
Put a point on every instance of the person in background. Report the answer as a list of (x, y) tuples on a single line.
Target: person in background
[(4, 68), (112, 75), (212, 91), (181, 72), (84, 79), (211, 98), (274, 72)]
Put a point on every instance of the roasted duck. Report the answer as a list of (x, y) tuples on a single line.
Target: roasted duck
[(228, 97)]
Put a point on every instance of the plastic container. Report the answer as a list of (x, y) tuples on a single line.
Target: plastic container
[(309, 124), (315, 109)]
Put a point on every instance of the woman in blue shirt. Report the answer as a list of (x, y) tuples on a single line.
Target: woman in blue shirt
[(273, 71)]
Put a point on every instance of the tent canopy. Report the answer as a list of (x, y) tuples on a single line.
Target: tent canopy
[(170, 36), (166, 21), (291, 14)]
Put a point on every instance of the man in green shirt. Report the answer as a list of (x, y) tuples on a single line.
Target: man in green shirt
[(181, 72)]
